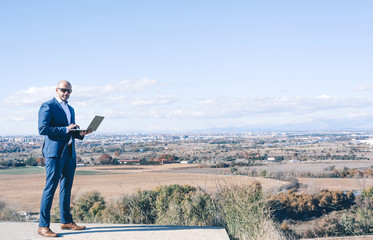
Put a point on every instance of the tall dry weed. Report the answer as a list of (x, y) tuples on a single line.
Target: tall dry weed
[(242, 212), (9, 212)]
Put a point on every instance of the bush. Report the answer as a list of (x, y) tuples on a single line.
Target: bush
[(364, 210), (292, 185), (334, 225), (221, 165), (55, 214), (295, 206), (340, 217), (367, 193), (31, 161), (242, 213), (9, 214), (240, 209), (173, 205), (88, 207), (183, 205), (107, 159), (136, 209)]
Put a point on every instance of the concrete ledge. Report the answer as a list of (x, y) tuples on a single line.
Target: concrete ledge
[(28, 231), (366, 237)]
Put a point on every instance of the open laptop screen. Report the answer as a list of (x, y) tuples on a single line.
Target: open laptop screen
[(93, 125)]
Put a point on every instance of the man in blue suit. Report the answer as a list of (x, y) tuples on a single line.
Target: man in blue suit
[(57, 123)]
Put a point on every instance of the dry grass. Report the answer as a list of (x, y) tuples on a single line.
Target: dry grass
[(334, 184), (26, 190)]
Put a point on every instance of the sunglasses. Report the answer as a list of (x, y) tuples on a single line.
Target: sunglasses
[(65, 90)]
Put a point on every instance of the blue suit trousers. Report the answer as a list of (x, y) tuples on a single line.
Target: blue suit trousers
[(58, 170)]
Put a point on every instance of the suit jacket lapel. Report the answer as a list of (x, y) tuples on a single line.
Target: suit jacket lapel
[(61, 110)]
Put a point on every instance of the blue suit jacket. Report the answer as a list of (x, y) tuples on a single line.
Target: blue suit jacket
[(52, 123)]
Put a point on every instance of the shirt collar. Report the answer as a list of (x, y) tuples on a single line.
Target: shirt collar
[(61, 101)]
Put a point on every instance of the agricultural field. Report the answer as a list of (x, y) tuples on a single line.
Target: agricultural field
[(302, 169), (25, 187)]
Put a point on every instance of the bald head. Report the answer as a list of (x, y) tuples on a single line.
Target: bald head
[(63, 90), (63, 84)]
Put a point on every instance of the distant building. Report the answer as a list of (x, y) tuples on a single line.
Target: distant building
[(186, 162), (132, 161)]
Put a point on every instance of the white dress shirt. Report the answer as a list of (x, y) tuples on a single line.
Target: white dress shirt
[(67, 112), (66, 109)]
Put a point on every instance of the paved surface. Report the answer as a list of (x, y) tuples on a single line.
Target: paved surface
[(343, 238), (25, 231)]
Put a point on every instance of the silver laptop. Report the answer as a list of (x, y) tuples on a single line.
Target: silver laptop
[(93, 125)]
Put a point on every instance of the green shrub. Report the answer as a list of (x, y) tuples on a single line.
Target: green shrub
[(367, 193), (174, 205), (88, 207), (240, 209), (55, 214), (183, 205), (364, 216), (138, 208), (364, 210)]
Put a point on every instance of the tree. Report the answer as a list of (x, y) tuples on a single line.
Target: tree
[(31, 161), (40, 161), (105, 159)]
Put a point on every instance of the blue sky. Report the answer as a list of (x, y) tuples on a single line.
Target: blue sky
[(160, 66)]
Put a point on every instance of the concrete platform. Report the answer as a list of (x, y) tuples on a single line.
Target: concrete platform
[(28, 231)]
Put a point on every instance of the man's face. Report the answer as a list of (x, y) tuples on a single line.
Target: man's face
[(63, 91)]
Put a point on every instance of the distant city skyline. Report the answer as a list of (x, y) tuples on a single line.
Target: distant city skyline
[(181, 66)]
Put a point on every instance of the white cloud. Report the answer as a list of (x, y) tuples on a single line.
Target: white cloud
[(19, 116), (114, 91), (120, 87), (207, 102), (137, 101), (364, 88), (250, 110), (144, 84), (28, 97), (236, 107), (186, 113), (156, 100), (324, 97)]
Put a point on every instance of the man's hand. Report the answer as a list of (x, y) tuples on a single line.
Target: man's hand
[(73, 126), (85, 132)]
